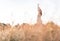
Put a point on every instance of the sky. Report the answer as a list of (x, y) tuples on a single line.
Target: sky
[(25, 11)]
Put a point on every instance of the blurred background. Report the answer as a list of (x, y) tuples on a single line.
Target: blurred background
[(25, 11)]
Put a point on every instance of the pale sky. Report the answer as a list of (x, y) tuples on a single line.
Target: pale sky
[(25, 11)]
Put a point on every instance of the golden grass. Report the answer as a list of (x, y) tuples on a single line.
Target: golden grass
[(26, 32)]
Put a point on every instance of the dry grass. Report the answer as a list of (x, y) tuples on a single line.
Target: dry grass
[(26, 32)]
